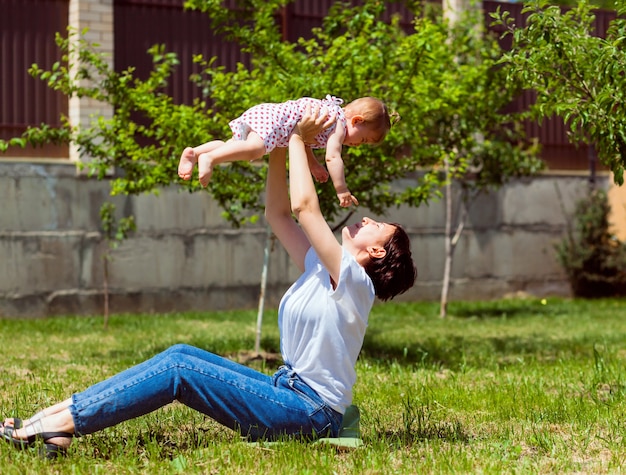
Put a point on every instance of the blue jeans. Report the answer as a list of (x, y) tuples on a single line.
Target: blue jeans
[(255, 404)]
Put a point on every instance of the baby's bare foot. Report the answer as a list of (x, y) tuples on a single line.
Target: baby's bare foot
[(185, 166), (205, 169), (319, 172)]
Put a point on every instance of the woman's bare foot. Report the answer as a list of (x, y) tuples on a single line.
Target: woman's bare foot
[(205, 169), (187, 161)]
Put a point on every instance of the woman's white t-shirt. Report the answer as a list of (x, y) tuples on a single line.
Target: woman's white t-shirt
[(322, 329)]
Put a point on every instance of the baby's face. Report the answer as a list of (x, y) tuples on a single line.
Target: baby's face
[(358, 134)]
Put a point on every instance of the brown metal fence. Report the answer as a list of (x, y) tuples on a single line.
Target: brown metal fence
[(28, 26), (140, 24), (27, 30)]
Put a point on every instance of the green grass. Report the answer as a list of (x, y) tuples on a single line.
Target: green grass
[(511, 386)]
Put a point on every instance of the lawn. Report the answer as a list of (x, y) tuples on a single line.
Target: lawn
[(509, 386)]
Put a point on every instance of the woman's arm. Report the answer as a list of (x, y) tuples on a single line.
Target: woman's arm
[(294, 238), (305, 204), (278, 210)]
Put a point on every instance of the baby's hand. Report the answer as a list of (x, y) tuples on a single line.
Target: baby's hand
[(346, 199)]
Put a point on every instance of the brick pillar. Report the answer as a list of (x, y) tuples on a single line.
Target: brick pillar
[(453, 9), (97, 16)]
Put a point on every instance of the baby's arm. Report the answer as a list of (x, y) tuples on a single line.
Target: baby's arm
[(334, 163)]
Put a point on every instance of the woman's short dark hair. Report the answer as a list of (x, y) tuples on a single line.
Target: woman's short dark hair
[(394, 273)]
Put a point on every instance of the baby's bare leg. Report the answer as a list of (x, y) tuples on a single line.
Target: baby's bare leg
[(234, 150), (189, 157)]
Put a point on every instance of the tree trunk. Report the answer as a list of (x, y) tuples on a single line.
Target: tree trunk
[(106, 290), (451, 240), (447, 266), (266, 262)]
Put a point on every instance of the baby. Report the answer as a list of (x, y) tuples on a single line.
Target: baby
[(266, 126)]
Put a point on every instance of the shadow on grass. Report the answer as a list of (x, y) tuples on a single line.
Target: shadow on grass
[(499, 310), (514, 308), (156, 443), (478, 309), (441, 344), (447, 351), (441, 430), (454, 351)]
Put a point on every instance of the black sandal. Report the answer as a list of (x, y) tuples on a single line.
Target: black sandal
[(19, 423), (50, 450)]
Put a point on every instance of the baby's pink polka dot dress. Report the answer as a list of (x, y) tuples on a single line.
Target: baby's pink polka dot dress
[(274, 122)]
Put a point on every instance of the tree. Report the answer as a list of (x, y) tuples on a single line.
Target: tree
[(444, 85), (577, 75), (479, 146), (594, 260), (604, 4), (443, 81)]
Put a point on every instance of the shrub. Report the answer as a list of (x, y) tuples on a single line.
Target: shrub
[(595, 261)]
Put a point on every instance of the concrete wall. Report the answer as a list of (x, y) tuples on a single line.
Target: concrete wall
[(184, 256)]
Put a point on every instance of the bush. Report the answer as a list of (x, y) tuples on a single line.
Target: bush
[(595, 261)]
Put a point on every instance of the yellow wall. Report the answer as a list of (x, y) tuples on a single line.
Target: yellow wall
[(617, 218)]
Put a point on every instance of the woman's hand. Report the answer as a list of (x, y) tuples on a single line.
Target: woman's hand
[(313, 122)]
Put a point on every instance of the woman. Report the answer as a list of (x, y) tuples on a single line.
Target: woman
[(322, 320)]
